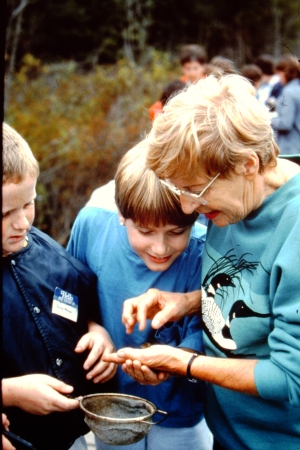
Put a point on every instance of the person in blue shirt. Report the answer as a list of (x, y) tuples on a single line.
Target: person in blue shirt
[(286, 121), (145, 241)]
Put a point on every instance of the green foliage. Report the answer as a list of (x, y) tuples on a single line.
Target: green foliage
[(103, 31), (79, 125)]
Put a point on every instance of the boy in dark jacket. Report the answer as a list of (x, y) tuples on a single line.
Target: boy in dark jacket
[(51, 349)]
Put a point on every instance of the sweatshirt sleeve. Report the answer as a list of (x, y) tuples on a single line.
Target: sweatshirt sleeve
[(278, 378)]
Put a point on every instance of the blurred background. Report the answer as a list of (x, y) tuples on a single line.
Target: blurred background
[(80, 77)]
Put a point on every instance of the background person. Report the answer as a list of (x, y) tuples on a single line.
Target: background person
[(286, 123), (222, 65), (253, 73), (170, 90), (150, 242), (193, 67), (215, 144), (269, 80), (51, 348), (193, 63)]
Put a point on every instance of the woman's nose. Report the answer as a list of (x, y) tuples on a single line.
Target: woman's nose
[(188, 205)]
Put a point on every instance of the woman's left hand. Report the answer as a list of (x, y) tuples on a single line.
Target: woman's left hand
[(162, 358), (98, 341)]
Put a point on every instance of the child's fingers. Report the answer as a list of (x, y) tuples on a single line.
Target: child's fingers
[(94, 355), (129, 315), (106, 374), (6, 444), (83, 343), (102, 372)]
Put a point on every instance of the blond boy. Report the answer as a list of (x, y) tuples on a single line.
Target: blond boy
[(51, 349)]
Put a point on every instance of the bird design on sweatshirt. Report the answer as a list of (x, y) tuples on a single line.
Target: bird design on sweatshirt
[(212, 314), (221, 277)]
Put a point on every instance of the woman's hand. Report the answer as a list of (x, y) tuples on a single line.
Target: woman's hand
[(37, 394), (159, 306), (161, 358), (98, 341), (229, 373)]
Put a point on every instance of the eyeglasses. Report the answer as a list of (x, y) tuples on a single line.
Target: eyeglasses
[(192, 195)]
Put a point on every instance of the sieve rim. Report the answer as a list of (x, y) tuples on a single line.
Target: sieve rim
[(117, 420)]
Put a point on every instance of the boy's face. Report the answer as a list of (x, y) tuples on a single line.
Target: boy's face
[(193, 70), (159, 246), (17, 213)]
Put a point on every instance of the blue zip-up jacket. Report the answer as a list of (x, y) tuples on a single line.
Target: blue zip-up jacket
[(37, 341)]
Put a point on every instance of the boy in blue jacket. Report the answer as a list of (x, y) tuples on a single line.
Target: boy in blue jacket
[(51, 348), (145, 241)]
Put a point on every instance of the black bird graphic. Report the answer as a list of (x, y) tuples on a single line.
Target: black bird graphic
[(221, 275), (239, 310), (212, 314)]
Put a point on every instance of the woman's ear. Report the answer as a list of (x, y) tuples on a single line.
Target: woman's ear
[(251, 166), (121, 219)]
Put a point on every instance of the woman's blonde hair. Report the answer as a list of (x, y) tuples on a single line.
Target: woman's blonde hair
[(141, 197), (17, 159), (213, 124)]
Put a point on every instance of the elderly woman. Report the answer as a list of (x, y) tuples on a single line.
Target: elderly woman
[(214, 146)]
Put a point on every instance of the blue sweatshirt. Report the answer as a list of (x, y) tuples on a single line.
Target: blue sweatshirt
[(251, 310), (99, 241)]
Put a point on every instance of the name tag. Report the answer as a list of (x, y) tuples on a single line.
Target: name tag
[(65, 304)]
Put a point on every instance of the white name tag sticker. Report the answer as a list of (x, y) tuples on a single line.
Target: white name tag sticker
[(65, 304)]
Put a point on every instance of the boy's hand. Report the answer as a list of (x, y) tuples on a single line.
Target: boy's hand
[(143, 374), (6, 444), (38, 394), (98, 341), (5, 422)]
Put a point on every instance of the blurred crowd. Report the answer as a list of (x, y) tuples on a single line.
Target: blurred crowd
[(276, 81)]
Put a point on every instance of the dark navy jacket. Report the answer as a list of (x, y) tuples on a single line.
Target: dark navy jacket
[(37, 341)]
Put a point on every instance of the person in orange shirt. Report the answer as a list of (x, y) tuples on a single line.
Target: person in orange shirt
[(171, 89), (193, 66), (193, 63)]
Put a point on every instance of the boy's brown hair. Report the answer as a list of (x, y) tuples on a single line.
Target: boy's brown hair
[(17, 159), (141, 197)]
